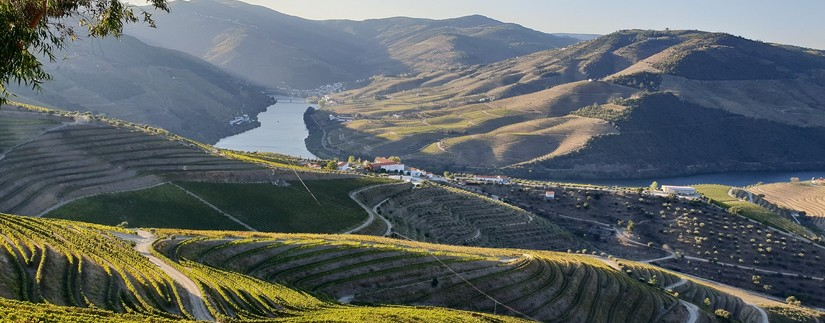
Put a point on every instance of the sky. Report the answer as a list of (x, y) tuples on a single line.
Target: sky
[(795, 22)]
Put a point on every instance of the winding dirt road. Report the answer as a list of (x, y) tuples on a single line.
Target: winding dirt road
[(372, 211), (143, 242)]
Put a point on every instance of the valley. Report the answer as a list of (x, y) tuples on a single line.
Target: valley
[(579, 112), (232, 161), (566, 252)]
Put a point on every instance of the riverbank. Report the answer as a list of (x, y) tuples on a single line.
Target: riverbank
[(282, 130)]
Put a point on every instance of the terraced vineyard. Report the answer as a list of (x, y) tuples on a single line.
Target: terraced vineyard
[(86, 272), (696, 292), (16, 128), (441, 214), (17, 311), (539, 285), (80, 265), (81, 159), (797, 196)]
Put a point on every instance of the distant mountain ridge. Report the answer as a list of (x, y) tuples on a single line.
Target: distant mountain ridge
[(631, 104), (274, 49)]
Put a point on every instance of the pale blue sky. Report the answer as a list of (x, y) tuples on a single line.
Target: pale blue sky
[(795, 22)]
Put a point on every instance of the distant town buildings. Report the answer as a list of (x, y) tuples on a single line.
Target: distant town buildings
[(549, 195), (818, 181)]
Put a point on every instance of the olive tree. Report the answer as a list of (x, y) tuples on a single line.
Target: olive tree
[(39, 28)]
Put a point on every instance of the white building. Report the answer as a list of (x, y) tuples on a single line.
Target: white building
[(679, 190), (343, 165), (549, 195), (498, 179), (415, 172)]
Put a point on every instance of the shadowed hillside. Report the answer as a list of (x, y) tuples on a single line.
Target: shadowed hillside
[(274, 49), (630, 104)]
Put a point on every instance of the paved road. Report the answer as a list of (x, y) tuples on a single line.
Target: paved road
[(199, 310)]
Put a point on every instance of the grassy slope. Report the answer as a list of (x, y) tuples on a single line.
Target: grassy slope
[(289, 209), (719, 195), (265, 207), (164, 206)]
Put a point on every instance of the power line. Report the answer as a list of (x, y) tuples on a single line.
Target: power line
[(495, 301)]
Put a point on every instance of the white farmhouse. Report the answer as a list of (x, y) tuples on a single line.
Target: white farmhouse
[(387, 165)]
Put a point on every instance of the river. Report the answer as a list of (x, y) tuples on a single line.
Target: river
[(729, 178), (282, 131)]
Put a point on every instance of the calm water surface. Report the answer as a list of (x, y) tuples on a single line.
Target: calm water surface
[(282, 131)]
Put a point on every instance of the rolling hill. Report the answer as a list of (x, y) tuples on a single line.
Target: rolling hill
[(49, 158), (274, 49), (83, 271), (632, 104), (127, 79)]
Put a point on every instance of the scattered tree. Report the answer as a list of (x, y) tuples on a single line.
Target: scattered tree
[(791, 300), (721, 313), (654, 186), (707, 301), (351, 159), (630, 226), (33, 28)]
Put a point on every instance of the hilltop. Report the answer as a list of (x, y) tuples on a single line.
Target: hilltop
[(632, 104), (275, 49), (127, 79)]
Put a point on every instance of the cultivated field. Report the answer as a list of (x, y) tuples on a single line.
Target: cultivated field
[(719, 195), (441, 214), (692, 237), (797, 196), (164, 206), (80, 159), (252, 277), (263, 207), (538, 285), (291, 208), (75, 264), (85, 273)]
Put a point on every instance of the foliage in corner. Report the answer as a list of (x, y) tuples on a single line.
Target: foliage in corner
[(33, 28)]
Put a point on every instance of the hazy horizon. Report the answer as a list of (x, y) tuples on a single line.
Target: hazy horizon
[(763, 20)]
